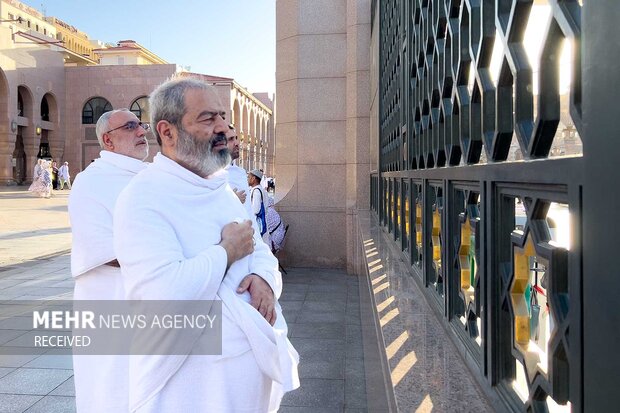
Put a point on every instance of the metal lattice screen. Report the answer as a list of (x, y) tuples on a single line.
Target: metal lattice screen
[(480, 177)]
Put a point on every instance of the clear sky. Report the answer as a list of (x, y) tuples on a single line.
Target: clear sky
[(229, 38)]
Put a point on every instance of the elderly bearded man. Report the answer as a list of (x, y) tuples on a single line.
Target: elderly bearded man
[(171, 217), (122, 138)]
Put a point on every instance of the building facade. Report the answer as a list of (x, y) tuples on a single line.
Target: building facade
[(94, 90), (55, 83), (74, 41), (127, 52), (32, 92)]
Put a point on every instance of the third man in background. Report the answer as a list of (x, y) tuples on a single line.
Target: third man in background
[(258, 201), (237, 176)]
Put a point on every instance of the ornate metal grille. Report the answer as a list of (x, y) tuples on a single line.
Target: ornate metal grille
[(472, 186)]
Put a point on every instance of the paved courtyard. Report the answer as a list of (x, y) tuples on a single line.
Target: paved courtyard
[(321, 306), (32, 227)]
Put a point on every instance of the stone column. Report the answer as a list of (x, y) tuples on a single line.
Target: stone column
[(7, 146), (57, 145), (358, 117), (311, 152), (600, 205), (31, 147)]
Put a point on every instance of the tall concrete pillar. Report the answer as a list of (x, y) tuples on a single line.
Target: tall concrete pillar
[(322, 113), (31, 147), (358, 117), (601, 203)]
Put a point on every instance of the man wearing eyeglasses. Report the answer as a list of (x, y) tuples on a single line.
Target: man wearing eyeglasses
[(101, 381), (170, 223)]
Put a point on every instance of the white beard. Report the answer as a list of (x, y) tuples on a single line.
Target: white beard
[(197, 155)]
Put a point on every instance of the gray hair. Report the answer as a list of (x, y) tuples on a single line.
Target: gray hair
[(103, 124), (167, 102)]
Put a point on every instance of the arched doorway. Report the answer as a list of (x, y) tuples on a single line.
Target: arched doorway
[(52, 143)]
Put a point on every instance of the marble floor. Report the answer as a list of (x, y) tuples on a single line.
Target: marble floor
[(426, 371), (321, 307)]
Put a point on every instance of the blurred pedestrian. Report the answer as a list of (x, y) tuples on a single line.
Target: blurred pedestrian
[(54, 172), (63, 176), (42, 181)]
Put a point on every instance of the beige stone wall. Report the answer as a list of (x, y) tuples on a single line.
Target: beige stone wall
[(113, 59), (322, 129), (121, 86)]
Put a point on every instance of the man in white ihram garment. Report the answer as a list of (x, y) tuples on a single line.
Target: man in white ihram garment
[(237, 176), (259, 203), (171, 225), (101, 381), (63, 176)]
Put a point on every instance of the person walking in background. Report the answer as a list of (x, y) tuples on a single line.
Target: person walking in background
[(258, 201), (237, 176), (42, 181), (97, 273), (54, 172), (37, 169), (277, 228), (63, 176)]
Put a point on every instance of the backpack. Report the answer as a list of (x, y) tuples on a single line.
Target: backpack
[(276, 226)]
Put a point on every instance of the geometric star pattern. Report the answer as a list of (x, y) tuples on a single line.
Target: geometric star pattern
[(546, 369)]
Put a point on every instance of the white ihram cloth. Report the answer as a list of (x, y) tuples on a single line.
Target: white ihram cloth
[(168, 222), (91, 205), (238, 180)]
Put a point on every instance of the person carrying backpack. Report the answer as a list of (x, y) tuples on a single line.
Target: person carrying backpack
[(258, 201)]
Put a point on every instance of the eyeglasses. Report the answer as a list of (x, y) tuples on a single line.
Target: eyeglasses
[(132, 125)]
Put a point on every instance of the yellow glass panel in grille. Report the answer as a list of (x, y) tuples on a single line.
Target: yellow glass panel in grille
[(398, 215), (517, 292), (418, 225), (435, 237), (407, 216), (464, 255)]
